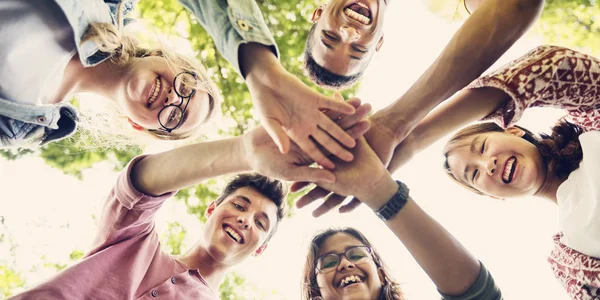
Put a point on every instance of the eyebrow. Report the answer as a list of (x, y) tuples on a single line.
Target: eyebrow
[(262, 213), (345, 249), (471, 149)]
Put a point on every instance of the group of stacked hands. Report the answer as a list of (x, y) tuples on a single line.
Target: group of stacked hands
[(307, 137)]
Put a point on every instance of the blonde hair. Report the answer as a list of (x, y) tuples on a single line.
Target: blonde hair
[(108, 127)]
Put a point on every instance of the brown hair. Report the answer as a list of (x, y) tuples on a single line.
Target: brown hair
[(560, 150), (122, 50), (310, 290)]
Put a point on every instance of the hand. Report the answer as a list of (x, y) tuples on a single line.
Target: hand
[(361, 178), (381, 140), (265, 158), (290, 109)]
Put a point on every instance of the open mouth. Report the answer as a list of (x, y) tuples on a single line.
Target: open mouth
[(350, 280), (154, 91), (233, 234), (359, 12), (509, 169)]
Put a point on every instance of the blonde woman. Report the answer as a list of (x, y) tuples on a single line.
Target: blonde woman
[(52, 50)]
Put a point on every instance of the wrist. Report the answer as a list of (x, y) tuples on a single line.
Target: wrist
[(242, 152), (395, 123), (379, 193)]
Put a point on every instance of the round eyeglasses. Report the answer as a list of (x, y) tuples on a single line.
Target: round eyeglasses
[(356, 254), (171, 116)]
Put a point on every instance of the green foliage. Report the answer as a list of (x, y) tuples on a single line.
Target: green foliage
[(9, 280), (172, 240), (572, 23)]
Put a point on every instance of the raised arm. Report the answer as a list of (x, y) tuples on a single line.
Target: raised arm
[(452, 268), (492, 28), (288, 109)]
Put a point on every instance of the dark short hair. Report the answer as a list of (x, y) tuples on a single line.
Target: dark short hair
[(275, 190), (320, 75)]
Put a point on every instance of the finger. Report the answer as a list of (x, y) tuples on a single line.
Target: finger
[(338, 96), (334, 115), (350, 206), (312, 196), (332, 146), (331, 104), (348, 121), (359, 129), (330, 203), (336, 132), (298, 186), (306, 173), (279, 136), (309, 147)]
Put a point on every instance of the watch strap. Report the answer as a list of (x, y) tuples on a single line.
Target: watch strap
[(395, 204)]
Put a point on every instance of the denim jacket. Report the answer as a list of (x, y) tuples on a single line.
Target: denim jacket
[(232, 23), (30, 126)]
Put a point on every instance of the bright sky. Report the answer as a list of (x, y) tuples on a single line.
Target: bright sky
[(48, 213)]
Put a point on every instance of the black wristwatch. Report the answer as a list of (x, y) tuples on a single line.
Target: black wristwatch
[(395, 204)]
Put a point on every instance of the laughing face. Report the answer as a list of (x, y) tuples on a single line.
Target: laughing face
[(149, 87), (346, 34), (499, 164), (354, 277), (239, 226)]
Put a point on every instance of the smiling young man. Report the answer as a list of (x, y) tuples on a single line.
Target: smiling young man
[(126, 261)]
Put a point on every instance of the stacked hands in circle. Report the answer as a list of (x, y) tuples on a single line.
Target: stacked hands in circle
[(332, 146)]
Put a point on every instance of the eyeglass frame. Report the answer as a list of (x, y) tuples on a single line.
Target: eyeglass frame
[(169, 130), (340, 255)]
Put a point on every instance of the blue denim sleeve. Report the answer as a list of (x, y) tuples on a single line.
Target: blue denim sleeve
[(231, 24)]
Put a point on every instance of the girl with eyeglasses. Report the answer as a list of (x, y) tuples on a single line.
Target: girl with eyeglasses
[(52, 50)]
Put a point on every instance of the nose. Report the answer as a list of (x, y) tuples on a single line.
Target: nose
[(345, 264), (243, 222), (172, 98), (349, 33), (490, 165)]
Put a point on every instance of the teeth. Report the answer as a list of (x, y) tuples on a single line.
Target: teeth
[(356, 16), (155, 92), (233, 234), (507, 169), (350, 279)]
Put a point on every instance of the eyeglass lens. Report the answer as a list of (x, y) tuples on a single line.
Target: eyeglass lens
[(356, 255)]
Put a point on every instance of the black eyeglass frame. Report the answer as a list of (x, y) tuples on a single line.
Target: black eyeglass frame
[(178, 106), (339, 256)]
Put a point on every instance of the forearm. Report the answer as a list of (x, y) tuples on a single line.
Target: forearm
[(449, 265), (482, 39), (182, 167), (463, 108), (258, 62)]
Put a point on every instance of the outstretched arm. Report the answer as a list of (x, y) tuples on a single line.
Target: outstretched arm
[(492, 28), (452, 268), (288, 109)]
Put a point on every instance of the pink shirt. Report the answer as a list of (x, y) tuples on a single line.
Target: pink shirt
[(126, 261)]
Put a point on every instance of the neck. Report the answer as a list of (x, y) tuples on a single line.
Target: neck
[(212, 271), (102, 79), (550, 187)]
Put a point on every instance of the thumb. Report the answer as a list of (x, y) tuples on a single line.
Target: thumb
[(279, 136)]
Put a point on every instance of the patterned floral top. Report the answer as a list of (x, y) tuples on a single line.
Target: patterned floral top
[(548, 76), (553, 76)]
